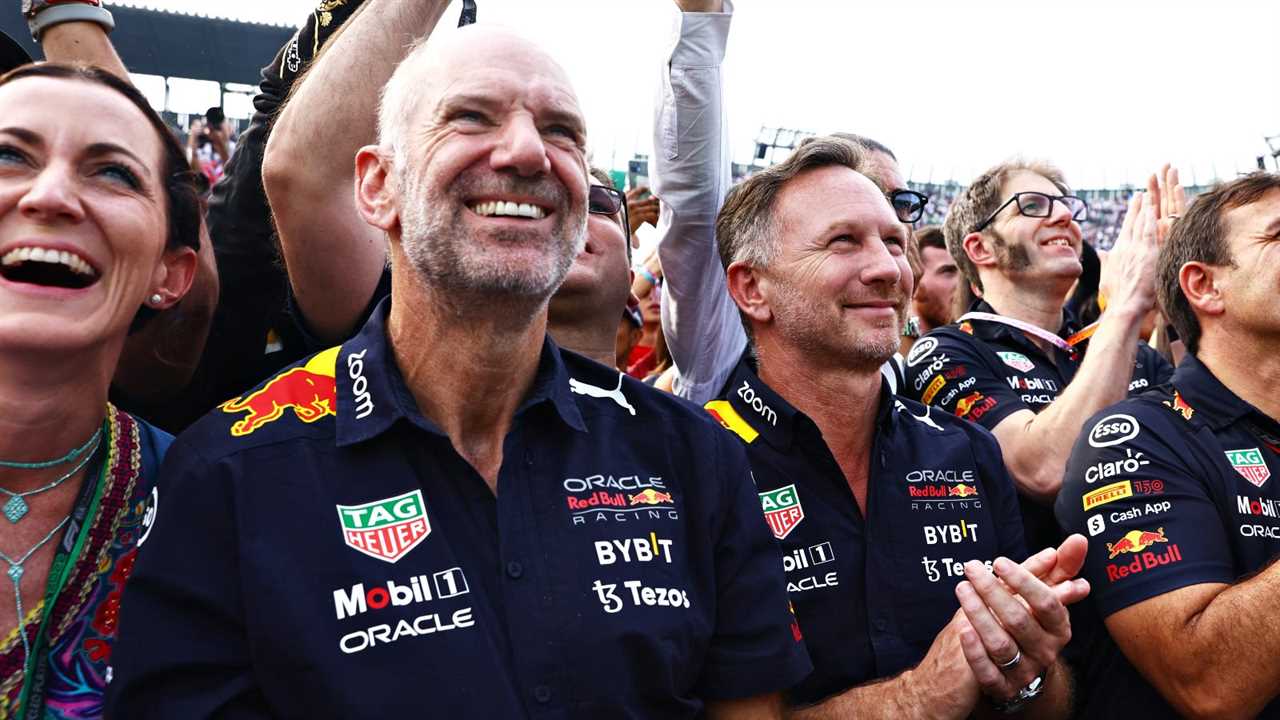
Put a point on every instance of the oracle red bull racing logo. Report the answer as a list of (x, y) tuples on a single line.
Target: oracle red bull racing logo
[(385, 529), (618, 498), (310, 391)]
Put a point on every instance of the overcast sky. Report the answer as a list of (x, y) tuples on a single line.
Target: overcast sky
[(1106, 90)]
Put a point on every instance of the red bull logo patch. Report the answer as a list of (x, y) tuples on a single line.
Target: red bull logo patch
[(649, 496), (1135, 541), (962, 491), (1180, 406), (311, 392)]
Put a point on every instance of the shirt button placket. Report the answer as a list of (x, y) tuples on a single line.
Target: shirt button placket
[(542, 694), (514, 570)]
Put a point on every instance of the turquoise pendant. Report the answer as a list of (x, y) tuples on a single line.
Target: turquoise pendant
[(15, 509)]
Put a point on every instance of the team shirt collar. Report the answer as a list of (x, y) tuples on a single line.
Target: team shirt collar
[(772, 417), (992, 330), (372, 394), (1210, 399)]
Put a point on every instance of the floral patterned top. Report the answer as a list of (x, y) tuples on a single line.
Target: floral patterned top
[(81, 626)]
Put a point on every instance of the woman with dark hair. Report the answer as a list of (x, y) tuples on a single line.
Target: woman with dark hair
[(99, 225)]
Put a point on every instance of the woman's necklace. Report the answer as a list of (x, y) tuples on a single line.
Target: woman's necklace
[(17, 507), (15, 572)]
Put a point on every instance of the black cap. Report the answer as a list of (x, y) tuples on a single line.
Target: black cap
[(12, 54)]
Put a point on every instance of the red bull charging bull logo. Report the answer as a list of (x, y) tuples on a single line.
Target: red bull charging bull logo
[(310, 391), (1136, 544), (649, 496), (1135, 541)]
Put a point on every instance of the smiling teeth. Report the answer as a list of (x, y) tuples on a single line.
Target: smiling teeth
[(47, 255), (1058, 242), (508, 209)]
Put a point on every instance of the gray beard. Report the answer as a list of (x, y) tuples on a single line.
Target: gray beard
[(445, 257)]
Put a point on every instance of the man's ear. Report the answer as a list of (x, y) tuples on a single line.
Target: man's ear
[(375, 193), (1200, 287), (978, 250), (745, 288), (173, 277)]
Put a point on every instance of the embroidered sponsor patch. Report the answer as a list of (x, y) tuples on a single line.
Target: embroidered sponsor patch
[(385, 529)]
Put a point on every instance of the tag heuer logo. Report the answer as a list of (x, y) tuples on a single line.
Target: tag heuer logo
[(1017, 361), (782, 510), (385, 529), (1250, 464)]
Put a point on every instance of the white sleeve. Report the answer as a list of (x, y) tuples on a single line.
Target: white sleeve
[(691, 175)]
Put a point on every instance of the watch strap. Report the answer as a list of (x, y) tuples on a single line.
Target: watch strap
[(43, 14)]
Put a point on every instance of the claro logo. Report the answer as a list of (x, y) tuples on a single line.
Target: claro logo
[(1113, 430)]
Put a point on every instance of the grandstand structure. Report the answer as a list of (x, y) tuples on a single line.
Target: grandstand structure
[(1106, 205), (174, 48)]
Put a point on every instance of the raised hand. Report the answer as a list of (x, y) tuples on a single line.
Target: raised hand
[(641, 211), (1129, 275), (1170, 199)]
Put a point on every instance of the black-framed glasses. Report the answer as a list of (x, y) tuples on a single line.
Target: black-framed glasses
[(1039, 205), (908, 204), (603, 200)]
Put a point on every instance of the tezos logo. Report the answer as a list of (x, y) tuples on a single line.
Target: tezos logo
[(1113, 430), (921, 350)]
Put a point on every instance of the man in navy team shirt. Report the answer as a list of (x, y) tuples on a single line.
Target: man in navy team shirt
[(895, 522), (447, 515), (1177, 488)]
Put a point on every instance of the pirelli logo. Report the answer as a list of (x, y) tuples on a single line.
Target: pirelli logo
[(1108, 493)]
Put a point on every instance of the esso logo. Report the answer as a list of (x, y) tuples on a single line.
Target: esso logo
[(1113, 430), (921, 350)]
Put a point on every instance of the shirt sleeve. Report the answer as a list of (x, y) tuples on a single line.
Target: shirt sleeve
[(756, 647), (182, 651), (1133, 488), (950, 372), (692, 175)]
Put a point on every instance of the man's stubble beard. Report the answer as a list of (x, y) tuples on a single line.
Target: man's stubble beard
[(437, 247), (807, 330)]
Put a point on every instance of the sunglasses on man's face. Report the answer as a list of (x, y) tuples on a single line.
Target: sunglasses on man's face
[(603, 200), (908, 205)]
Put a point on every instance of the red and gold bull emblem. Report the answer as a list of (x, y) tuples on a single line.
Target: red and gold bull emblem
[(1135, 541), (963, 491), (1180, 406), (649, 496), (310, 391)]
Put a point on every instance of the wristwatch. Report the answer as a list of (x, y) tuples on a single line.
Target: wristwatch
[(42, 14), (1024, 696)]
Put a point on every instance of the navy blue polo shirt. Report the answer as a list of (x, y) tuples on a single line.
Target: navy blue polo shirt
[(320, 550), (872, 591), (984, 371), (1173, 488)]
